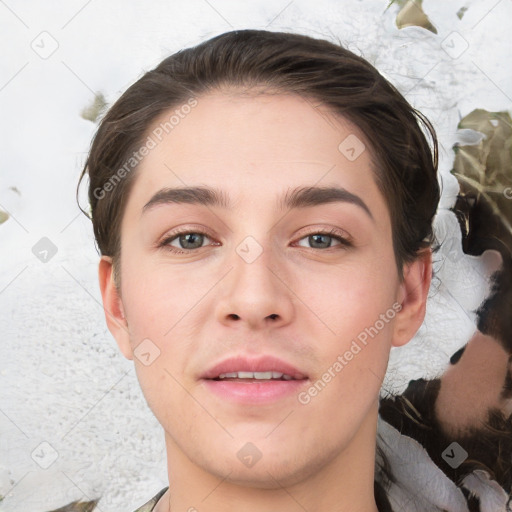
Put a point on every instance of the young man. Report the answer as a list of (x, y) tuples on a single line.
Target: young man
[(263, 205)]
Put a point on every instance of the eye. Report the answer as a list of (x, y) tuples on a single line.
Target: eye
[(185, 241), (188, 241), (324, 240)]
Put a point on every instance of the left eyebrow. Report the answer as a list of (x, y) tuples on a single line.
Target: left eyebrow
[(303, 197), (300, 197)]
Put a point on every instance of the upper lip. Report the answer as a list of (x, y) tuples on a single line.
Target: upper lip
[(253, 364)]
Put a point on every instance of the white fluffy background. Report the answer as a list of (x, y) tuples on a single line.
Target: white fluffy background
[(62, 379)]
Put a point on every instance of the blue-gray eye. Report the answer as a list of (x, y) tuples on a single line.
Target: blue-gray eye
[(322, 241), (188, 241)]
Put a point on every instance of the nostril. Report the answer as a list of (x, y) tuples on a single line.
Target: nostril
[(234, 316)]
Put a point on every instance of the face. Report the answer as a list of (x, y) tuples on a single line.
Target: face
[(296, 289)]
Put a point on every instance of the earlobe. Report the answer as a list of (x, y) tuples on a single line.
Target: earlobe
[(413, 295), (113, 307)]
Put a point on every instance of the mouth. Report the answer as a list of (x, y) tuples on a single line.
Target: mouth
[(246, 380), (253, 376)]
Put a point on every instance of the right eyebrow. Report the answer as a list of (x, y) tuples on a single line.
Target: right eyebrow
[(190, 195)]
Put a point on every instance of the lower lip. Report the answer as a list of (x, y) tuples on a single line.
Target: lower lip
[(254, 392)]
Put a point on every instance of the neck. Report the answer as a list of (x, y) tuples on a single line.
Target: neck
[(343, 484)]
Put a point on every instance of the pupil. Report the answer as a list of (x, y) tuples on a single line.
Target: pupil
[(191, 238), (313, 239)]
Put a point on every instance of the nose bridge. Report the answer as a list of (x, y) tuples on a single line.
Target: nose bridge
[(254, 252), (252, 262), (254, 293)]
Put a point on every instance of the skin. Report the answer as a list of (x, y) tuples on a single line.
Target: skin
[(318, 456)]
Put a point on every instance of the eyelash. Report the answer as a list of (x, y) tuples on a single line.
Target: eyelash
[(340, 236)]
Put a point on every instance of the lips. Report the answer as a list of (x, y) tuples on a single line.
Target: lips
[(263, 368)]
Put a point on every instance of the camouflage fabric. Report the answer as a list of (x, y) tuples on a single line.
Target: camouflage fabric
[(150, 505)]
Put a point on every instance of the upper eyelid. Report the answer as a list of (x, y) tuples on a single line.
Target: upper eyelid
[(334, 232), (170, 235)]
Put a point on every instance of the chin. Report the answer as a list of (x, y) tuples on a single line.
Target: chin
[(274, 469), (267, 476)]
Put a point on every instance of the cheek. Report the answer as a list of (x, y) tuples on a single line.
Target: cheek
[(157, 296), (350, 298), (355, 306)]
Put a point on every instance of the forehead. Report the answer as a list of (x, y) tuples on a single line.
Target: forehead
[(255, 146), (272, 127)]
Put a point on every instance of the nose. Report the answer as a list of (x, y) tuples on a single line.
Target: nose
[(255, 292)]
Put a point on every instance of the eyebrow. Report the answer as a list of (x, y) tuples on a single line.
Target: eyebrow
[(300, 197)]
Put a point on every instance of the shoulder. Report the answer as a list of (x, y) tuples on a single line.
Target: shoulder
[(150, 505)]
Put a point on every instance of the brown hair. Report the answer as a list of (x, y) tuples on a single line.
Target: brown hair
[(405, 164)]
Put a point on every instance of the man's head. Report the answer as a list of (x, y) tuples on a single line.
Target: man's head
[(277, 225), (253, 60)]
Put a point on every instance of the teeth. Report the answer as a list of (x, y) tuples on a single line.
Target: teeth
[(263, 375), (255, 375), (245, 375)]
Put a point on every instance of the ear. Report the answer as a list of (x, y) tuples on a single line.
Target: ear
[(113, 307), (412, 295)]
